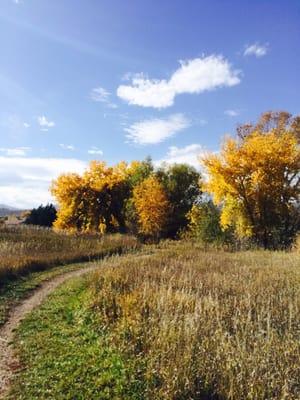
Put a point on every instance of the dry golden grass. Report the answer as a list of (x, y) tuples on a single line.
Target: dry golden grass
[(205, 325), (26, 249)]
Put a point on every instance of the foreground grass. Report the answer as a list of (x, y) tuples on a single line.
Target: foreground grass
[(69, 354), (26, 249), (179, 323)]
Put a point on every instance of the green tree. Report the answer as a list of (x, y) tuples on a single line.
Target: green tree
[(204, 223), (138, 171), (182, 186), (42, 216)]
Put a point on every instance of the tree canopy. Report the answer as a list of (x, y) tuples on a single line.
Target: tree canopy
[(42, 216), (152, 207), (182, 186), (93, 201), (126, 197), (256, 180)]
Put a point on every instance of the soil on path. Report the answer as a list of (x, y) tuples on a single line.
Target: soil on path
[(8, 361)]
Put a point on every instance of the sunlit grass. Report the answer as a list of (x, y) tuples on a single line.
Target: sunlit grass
[(26, 249), (215, 324), (180, 322)]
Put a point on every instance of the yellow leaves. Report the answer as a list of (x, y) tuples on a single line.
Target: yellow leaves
[(133, 167), (99, 176), (152, 206), (95, 200), (102, 227), (64, 185), (251, 175), (194, 215), (85, 202), (233, 214)]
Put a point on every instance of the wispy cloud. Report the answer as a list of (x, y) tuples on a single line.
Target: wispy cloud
[(16, 151), (152, 131), (44, 123), (99, 94), (67, 146), (256, 49), (193, 76), (94, 150), (69, 42), (13, 124), (25, 181), (187, 155), (232, 113)]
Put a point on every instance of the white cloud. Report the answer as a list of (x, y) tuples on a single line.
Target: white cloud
[(256, 50), (193, 76), (156, 130), (67, 146), (45, 123), (17, 151), (185, 155), (95, 150), (24, 182), (26, 125), (99, 94), (232, 113)]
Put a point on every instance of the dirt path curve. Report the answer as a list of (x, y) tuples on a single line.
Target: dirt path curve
[(8, 360)]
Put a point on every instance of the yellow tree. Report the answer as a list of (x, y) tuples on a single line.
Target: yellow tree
[(69, 191), (93, 201), (257, 181), (152, 207), (109, 184)]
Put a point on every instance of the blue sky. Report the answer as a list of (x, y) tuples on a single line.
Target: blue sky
[(120, 80)]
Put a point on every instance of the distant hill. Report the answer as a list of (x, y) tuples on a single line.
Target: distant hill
[(8, 210)]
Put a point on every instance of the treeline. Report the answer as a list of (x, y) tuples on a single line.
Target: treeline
[(250, 194), (136, 197)]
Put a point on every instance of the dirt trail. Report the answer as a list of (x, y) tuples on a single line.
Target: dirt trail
[(8, 360)]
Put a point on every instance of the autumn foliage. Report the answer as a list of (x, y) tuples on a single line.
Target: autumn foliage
[(93, 201), (125, 198), (256, 180), (152, 206)]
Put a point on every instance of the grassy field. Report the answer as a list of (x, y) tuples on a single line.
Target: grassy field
[(26, 249), (173, 322), (29, 256)]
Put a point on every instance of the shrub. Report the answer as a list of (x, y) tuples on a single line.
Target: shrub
[(204, 224), (42, 216)]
